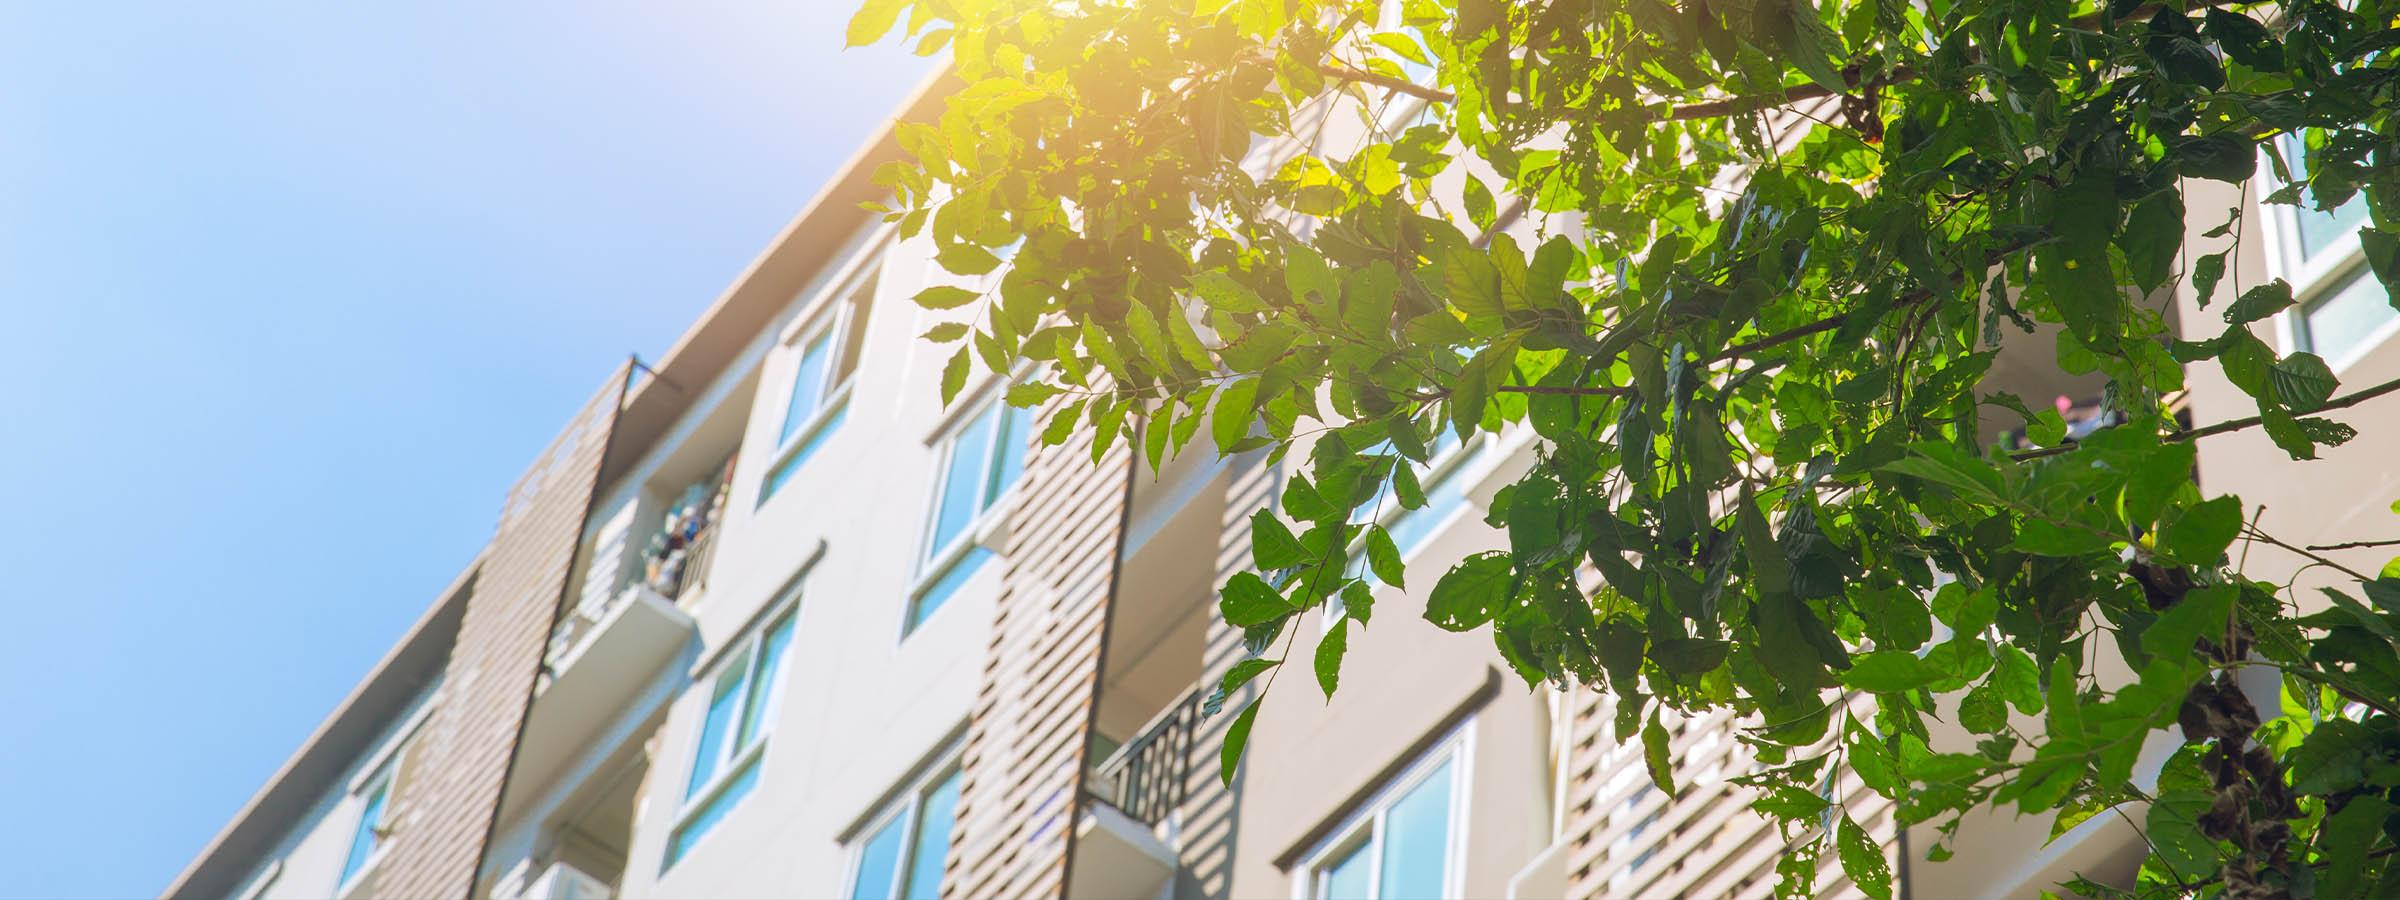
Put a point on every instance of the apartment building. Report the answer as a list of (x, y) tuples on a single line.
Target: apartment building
[(768, 619)]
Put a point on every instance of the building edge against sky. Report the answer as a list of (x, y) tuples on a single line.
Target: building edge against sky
[(769, 620)]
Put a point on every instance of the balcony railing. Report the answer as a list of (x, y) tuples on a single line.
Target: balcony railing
[(1147, 776)]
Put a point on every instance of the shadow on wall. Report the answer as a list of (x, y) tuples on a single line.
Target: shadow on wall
[(1212, 809)]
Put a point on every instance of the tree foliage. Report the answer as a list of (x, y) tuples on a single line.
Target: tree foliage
[(1771, 250)]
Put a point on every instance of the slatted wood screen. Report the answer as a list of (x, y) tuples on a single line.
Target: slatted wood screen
[(443, 812), (1023, 766), (1628, 839)]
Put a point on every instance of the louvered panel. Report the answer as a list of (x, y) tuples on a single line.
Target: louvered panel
[(1022, 769), (1626, 839), (467, 741)]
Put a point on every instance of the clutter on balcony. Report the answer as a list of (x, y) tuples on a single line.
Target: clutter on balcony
[(676, 558)]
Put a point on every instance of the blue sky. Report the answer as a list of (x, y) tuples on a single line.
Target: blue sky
[(295, 291)]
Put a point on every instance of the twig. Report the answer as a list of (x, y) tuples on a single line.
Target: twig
[(2346, 570), (2342, 402), (2354, 545)]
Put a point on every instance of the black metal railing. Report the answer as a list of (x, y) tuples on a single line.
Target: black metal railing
[(1146, 777)]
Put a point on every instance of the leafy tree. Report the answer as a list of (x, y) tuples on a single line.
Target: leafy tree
[(1776, 245)]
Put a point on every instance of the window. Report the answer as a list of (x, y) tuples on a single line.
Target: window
[(2342, 310), (2341, 323), (366, 841), (733, 733), (979, 460), (907, 845), (1403, 845), (828, 350)]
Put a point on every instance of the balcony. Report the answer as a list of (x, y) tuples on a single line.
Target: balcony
[(1126, 835), (600, 663), (1146, 778)]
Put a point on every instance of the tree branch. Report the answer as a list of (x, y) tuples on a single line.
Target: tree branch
[(1706, 109), (2342, 402), (2354, 545)]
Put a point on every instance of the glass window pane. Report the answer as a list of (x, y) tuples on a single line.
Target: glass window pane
[(363, 841), (1416, 840), (783, 472), (959, 502), (932, 846), (1443, 495), (939, 593), (721, 703), (762, 684), (2340, 323), (1016, 426), (1347, 877), (856, 339), (808, 385), (879, 862), (2321, 229), (2318, 229), (707, 816)]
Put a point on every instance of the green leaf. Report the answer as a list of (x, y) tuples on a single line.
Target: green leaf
[(1237, 736), (954, 375), (1945, 465), (2229, 158), (2302, 382), (1479, 203), (966, 259), (1248, 600), (946, 297), (1898, 619), (945, 332), (1272, 545), (2205, 275), (1813, 48), (1863, 860), (2260, 302), (872, 21), (1688, 656), (2200, 533), (2152, 238), (1329, 655), (1472, 593), (1768, 564), (1383, 558), (2244, 40), (1791, 804), (1221, 292), (1657, 756), (1236, 409), (2019, 679), (1982, 711), (2174, 44), (1888, 671), (2173, 826), (2344, 842), (2333, 757), (1358, 602), (2202, 613)]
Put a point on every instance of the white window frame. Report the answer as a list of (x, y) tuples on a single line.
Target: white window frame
[(381, 779), (733, 761), (2312, 277), (382, 770), (848, 308), (903, 805), (935, 562), (1366, 825)]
